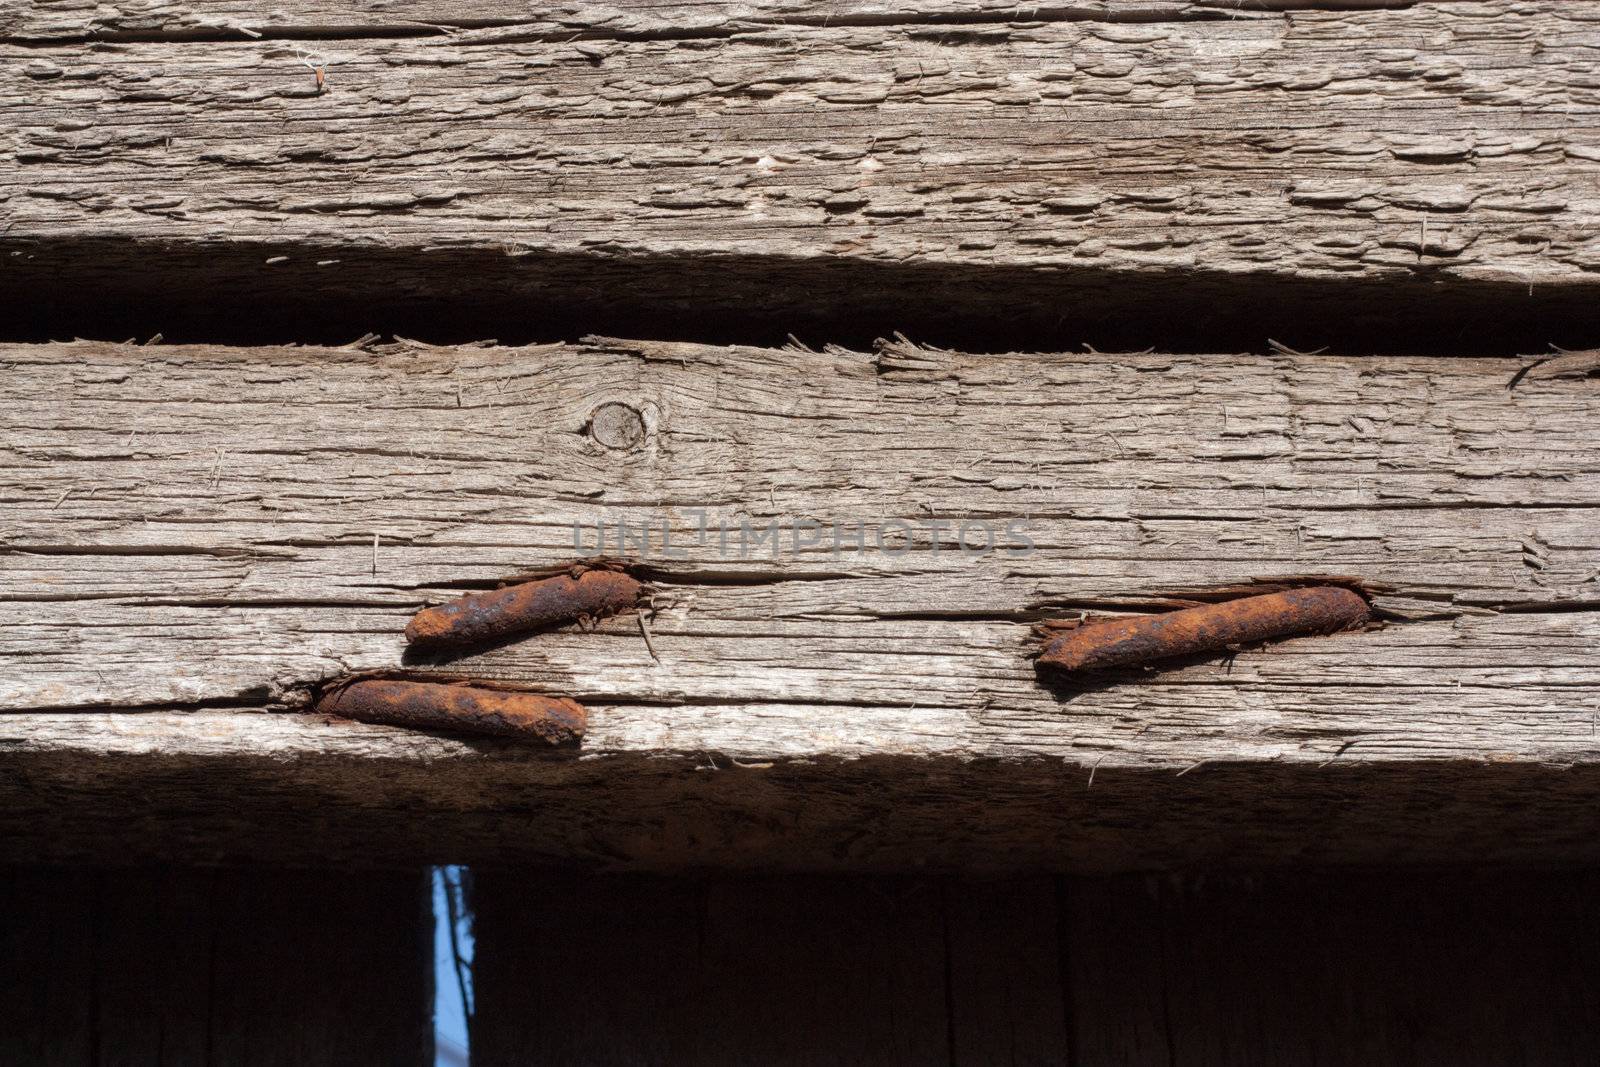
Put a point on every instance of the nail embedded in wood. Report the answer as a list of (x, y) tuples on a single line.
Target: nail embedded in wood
[(1143, 639), (1565, 364), (524, 608), (455, 708), (649, 645)]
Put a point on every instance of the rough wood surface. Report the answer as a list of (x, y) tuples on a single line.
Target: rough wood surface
[(772, 159), (41, 21), (191, 532)]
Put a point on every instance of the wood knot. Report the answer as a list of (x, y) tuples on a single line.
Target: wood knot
[(617, 426)]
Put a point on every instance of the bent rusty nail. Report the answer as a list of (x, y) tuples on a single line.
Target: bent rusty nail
[(479, 618), (1142, 639), (458, 709)]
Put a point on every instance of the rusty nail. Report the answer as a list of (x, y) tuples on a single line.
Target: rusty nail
[(519, 609), (457, 708), (1142, 639)]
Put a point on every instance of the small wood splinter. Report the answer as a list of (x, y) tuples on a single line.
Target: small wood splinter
[(480, 618), (1142, 639), (454, 708)]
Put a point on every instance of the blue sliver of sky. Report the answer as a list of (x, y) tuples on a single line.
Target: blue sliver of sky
[(451, 1041)]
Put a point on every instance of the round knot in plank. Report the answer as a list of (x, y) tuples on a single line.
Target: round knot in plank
[(617, 426)]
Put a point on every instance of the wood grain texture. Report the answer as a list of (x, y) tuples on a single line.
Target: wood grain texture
[(1088, 158), (67, 20), (190, 532)]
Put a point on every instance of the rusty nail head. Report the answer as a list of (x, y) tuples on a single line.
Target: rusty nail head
[(457, 708), (1142, 639), (519, 609)]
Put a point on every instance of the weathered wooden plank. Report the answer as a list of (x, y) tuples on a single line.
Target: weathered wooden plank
[(181, 506), (184, 967), (194, 526), (55, 20), (1457, 968), (1078, 162)]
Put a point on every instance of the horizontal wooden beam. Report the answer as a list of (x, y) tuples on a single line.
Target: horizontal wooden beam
[(768, 786), (197, 536), (39, 21), (1159, 160)]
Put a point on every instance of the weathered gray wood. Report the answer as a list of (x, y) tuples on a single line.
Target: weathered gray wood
[(194, 527), (178, 508), (190, 531), (53, 20), (699, 156), (202, 967)]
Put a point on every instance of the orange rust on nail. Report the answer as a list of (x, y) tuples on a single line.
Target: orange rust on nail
[(518, 609), (461, 709), (1141, 639)]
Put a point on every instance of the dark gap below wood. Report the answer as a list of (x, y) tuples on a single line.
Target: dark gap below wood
[(1446, 966), (702, 811), (116, 290), (1440, 965), (197, 966)]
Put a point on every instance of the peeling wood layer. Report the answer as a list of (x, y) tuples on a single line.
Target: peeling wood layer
[(1431, 147), (195, 537)]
